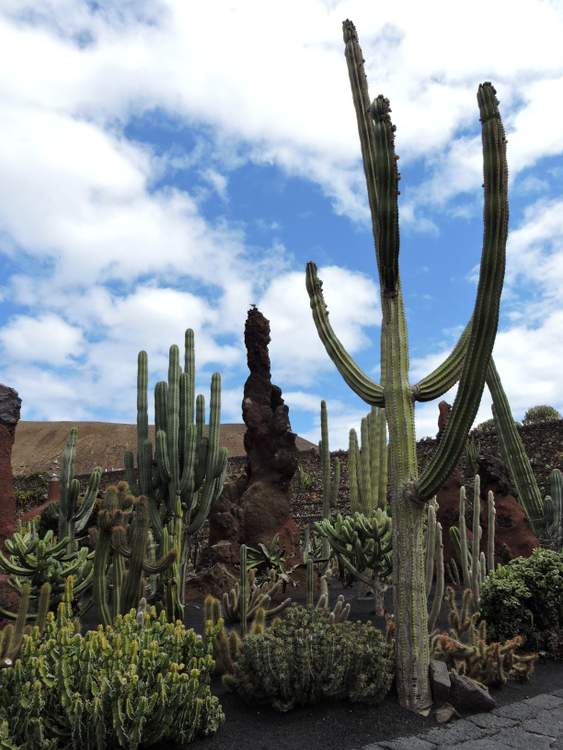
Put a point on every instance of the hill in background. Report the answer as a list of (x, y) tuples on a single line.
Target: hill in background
[(39, 444)]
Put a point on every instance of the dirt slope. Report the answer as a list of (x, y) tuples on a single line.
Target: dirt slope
[(39, 444)]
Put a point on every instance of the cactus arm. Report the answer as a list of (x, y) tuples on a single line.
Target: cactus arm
[(162, 458), (83, 515), (243, 590), (100, 587), (359, 382), (446, 374), (430, 547), (379, 161), (515, 456), (160, 405), (476, 542), (173, 426), (556, 486), (486, 311)]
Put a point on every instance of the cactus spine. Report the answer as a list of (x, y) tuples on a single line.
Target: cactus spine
[(72, 516), (467, 363)]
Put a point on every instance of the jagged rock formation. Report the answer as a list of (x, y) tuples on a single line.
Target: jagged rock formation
[(256, 505), (10, 404)]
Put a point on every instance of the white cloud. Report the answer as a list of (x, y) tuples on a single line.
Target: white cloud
[(296, 351), (47, 339)]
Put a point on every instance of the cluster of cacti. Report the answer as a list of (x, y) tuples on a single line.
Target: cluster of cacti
[(186, 474), (466, 364), (142, 680), (226, 646), (305, 657), (74, 512), (121, 558), (247, 595), (341, 609), (34, 560), (11, 636), (475, 563), (362, 544), (465, 647), (367, 464)]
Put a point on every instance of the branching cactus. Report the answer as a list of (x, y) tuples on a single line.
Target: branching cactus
[(475, 563), (467, 364), (367, 466), (74, 515), (120, 560), (186, 474)]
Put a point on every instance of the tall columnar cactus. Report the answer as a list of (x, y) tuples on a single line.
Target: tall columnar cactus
[(120, 559), (73, 516), (331, 484), (467, 363), (475, 562), (186, 475), (514, 454), (367, 467), (553, 511)]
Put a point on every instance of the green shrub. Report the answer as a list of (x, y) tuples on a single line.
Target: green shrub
[(141, 680), (487, 426), (304, 658), (539, 414), (525, 597)]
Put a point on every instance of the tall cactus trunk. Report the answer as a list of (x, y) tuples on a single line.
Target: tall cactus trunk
[(467, 363), (409, 589)]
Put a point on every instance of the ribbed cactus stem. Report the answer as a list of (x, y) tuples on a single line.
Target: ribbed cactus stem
[(310, 574), (491, 524), (464, 548), (556, 487), (440, 579), (243, 590), (430, 546), (353, 471), (476, 541), (514, 454), (468, 362)]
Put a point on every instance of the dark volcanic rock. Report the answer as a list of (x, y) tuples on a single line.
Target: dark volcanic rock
[(9, 415), (253, 508), (440, 681), (468, 696)]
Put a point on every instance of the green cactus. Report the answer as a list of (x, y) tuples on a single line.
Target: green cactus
[(141, 681), (475, 564), (74, 515), (367, 467), (514, 454), (331, 484), (466, 648), (187, 472), (553, 511), (467, 363), (120, 558), (38, 560)]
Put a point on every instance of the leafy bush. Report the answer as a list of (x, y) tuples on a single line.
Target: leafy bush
[(525, 597), (304, 658), (539, 414), (141, 680)]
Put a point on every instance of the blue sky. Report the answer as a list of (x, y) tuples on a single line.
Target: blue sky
[(166, 164)]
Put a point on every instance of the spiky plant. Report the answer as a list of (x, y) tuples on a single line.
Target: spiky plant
[(467, 363)]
